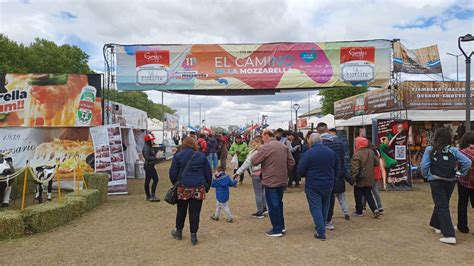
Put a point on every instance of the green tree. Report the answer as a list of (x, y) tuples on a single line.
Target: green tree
[(42, 56), (332, 95), (139, 100)]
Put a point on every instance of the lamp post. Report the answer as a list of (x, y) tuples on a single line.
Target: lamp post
[(296, 107), (467, 38), (457, 64)]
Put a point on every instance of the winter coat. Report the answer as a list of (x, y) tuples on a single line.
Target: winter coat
[(363, 158), (242, 148), (336, 145), (222, 182), (248, 164), (320, 166), (276, 161), (212, 145), (149, 155), (295, 149), (199, 171)]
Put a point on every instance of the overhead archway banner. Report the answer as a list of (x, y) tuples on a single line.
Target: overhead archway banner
[(253, 66)]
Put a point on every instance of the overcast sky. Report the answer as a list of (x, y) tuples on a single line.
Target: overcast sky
[(90, 24)]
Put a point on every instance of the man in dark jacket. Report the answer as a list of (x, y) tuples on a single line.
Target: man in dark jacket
[(320, 166), (335, 144), (212, 148)]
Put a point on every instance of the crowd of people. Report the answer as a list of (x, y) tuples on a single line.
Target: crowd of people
[(277, 160)]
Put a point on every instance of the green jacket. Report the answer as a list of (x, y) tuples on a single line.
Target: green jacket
[(242, 148)]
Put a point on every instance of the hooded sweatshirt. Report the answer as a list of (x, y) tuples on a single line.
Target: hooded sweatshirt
[(364, 159), (222, 182)]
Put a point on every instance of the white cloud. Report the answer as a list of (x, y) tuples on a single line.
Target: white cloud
[(207, 21)]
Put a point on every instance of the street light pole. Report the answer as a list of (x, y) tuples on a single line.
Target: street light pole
[(457, 64), (296, 107), (467, 38)]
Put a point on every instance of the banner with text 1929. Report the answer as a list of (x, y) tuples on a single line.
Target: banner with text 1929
[(271, 66), (50, 100)]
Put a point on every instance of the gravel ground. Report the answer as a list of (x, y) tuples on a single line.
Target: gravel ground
[(129, 230)]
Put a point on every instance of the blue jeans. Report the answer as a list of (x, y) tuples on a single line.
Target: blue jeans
[(274, 197), (319, 201), (212, 158)]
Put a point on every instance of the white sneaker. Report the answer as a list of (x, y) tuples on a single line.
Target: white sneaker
[(330, 226), (437, 231), (448, 240)]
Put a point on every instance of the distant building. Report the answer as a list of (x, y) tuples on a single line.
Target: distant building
[(315, 113)]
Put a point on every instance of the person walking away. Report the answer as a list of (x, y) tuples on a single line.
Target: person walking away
[(335, 144), (320, 166), (466, 183), (276, 161), (194, 173), (240, 149), (212, 148), (224, 150), (362, 171), (202, 144), (377, 179), (150, 172), (222, 182), (295, 148), (438, 165), (256, 174)]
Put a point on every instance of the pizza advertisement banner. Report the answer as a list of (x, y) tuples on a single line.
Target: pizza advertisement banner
[(418, 61), (46, 146), (50, 100), (392, 142), (253, 66), (109, 156)]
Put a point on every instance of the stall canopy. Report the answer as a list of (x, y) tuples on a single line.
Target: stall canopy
[(328, 119)]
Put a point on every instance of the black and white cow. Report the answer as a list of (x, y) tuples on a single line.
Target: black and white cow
[(44, 172), (6, 168)]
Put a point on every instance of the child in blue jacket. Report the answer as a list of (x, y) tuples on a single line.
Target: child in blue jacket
[(222, 182)]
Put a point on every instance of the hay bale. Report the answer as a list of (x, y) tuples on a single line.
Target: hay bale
[(46, 216), (91, 198), (99, 182), (11, 224)]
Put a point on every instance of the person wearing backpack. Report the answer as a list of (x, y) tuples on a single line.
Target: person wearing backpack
[(439, 168), (466, 183)]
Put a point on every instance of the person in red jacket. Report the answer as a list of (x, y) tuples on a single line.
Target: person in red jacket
[(202, 143), (465, 183)]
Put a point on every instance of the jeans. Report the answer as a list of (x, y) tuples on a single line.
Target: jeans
[(441, 192), (274, 197), (259, 193), (464, 195), (222, 206), (341, 198), (194, 208), (212, 158), (319, 201), (365, 192), (377, 197), (150, 174), (293, 176)]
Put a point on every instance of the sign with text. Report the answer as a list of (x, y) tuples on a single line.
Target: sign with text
[(418, 61), (253, 66)]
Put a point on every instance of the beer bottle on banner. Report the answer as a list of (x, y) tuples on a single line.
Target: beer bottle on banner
[(86, 106)]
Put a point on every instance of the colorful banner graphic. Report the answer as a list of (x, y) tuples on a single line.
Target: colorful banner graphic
[(418, 61), (253, 66), (171, 122), (109, 157), (43, 146), (392, 142), (302, 122), (50, 100)]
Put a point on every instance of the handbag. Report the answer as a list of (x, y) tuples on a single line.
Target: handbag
[(171, 196)]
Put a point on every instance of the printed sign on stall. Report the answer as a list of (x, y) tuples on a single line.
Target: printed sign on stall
[(109, 156)]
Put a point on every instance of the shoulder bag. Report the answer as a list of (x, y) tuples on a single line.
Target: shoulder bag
[(172, 194)]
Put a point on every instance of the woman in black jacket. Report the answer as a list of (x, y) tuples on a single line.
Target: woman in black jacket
[(150, 171), (192, 172)]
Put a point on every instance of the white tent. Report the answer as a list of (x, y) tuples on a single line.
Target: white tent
[(277, 125), (328, 119)]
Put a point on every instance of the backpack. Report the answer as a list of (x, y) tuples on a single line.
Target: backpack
[(443, 164)]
